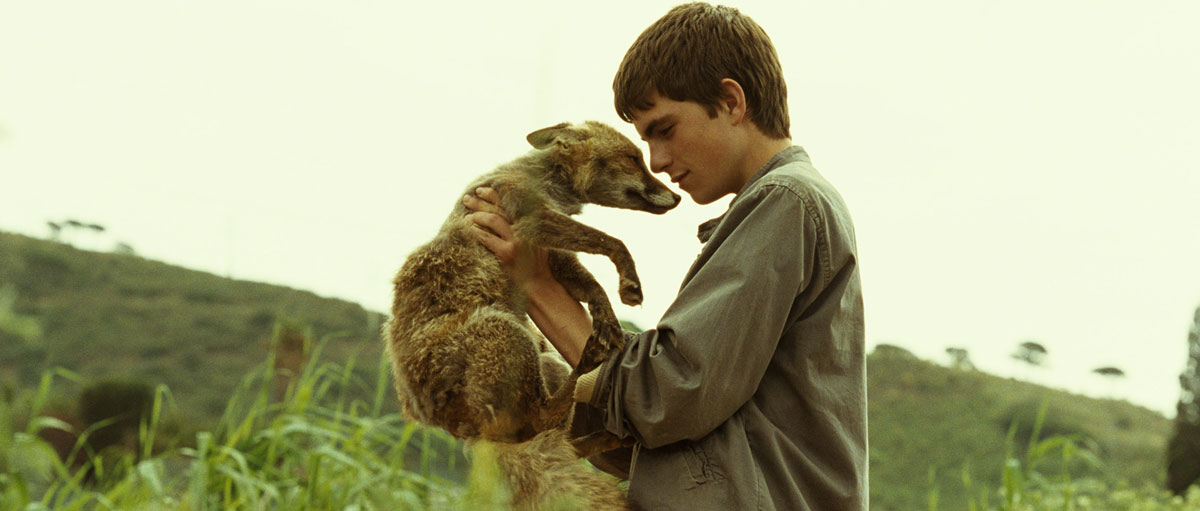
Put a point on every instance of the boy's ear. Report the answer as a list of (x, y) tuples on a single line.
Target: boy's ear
[(733, 98), (542, 138)]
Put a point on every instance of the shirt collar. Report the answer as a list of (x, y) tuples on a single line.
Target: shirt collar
[(780, 159)]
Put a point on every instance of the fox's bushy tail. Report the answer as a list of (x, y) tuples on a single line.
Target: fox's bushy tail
[(545, 474)]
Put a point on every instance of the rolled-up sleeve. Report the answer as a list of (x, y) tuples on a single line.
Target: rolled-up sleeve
[(709, 352)]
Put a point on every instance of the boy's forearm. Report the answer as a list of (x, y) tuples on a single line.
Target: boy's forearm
[(560, 317)]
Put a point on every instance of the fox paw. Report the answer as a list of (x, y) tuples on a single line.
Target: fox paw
[(610, 335), (592, 356), (631, 292), (605, 337)]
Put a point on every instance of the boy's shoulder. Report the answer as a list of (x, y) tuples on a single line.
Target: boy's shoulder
[(804, 184), (792, 170), (787, 184)]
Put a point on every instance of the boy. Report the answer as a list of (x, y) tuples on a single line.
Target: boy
[(751, 391)]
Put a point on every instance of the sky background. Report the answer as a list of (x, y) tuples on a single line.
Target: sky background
[(1021, 170)]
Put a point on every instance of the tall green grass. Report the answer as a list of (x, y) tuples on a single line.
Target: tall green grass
[(320, 449), (927, 419), (325, 446), (315, 449), (1040, 478)]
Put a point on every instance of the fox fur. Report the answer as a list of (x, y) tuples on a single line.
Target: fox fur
[(545, 473), (465, 357)]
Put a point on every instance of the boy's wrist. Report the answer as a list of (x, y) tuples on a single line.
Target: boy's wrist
[(544, 291), (559, 316), (585, 386)]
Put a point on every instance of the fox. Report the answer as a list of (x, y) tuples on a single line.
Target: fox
[(465, 357)]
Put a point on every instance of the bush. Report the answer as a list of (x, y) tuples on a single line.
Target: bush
[(113, 411)]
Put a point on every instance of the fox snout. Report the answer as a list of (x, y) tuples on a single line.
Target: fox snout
[(641, 193), (654, 198), (604, 167)]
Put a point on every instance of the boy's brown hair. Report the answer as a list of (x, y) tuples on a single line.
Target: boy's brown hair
[(685, 54)]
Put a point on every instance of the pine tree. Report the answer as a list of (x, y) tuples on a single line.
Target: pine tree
[(1183, 451)]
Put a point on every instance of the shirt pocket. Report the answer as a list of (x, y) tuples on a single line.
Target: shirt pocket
[(699, 463), (684, 476), (682, 466)]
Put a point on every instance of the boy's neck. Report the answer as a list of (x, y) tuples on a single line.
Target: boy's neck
[(759, 153)]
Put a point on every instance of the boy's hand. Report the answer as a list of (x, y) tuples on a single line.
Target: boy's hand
[(558, 315), (493, 229)]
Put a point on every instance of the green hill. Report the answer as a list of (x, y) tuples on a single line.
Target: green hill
[(112, 315), (925, 417), (104, 315)]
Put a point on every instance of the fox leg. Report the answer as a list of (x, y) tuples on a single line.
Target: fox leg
[(503, 386), (554, 369), (597, 442), (582, 286), (551, 229)]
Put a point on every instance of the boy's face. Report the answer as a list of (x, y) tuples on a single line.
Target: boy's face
[(698, 152)]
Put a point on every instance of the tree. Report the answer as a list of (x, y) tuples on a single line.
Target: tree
[(71, 225), (55, 230), (959, 358), (1183, 450), (892, 350), (1111, 374), (1031, 353)]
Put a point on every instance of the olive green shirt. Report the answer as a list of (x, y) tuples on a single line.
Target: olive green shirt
[(750, 394)]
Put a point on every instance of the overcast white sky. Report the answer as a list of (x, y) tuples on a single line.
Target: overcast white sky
[(1017, 170)]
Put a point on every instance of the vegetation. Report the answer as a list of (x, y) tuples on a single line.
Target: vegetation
[(104, 315), (112, 410), (1183, 453), (315, 449), (318, 449), (236, 422), (1031, 353), (933, 426)]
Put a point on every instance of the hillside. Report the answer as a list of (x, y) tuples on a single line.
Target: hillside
[(111, 315), (927, 417), (104, 315)]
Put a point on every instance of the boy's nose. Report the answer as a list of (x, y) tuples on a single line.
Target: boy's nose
[(659, 158)]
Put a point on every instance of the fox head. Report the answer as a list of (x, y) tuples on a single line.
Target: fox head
[(604, 167)]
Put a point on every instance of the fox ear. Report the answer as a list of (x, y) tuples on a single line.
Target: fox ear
[(542, 138)]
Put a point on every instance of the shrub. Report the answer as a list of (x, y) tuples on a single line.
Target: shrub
[(113, 411)]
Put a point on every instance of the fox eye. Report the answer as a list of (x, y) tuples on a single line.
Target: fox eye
[(666, 131)]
